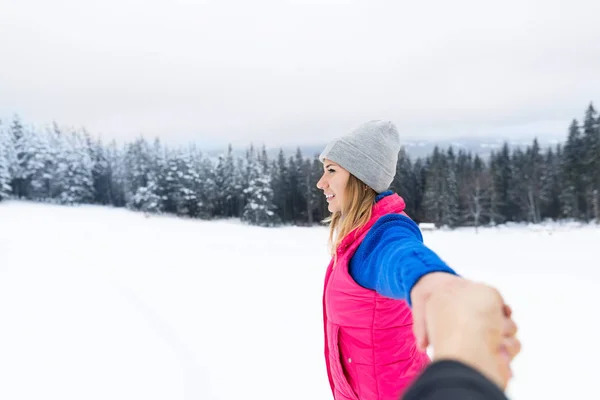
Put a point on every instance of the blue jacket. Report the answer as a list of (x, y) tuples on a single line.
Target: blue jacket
[(392, 257)]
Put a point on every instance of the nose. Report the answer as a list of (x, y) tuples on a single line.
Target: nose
[(321, 183)]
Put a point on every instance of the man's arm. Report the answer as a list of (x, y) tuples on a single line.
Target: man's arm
[(453, 380)]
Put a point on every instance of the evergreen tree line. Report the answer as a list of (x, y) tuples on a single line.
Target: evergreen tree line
[(448, 187)]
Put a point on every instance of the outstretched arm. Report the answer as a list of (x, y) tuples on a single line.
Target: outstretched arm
[(393, 258), (394, 261)]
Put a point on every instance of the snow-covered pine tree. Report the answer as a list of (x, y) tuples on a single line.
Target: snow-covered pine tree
[(101, 172), (41, 164), (20, 175), (259, 209), (171, 182), (76, 171), (190, 189), (151, 197), (6, 150), (299, 188), (245, 171), (294, 188), (207, 188), (225, 175), (147, 199), (311, 193), (58, 159), (597, 168), (280, 184), (263, 158), (232, 187), (116, 161), (141, 183)]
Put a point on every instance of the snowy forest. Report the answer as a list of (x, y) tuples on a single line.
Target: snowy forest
[(450, 187)]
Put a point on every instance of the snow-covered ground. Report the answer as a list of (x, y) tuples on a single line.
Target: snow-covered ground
[(99, 303)]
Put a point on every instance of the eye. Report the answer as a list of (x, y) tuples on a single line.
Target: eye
[(331, 170)]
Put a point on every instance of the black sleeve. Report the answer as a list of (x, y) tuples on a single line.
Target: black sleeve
[(452, 380)]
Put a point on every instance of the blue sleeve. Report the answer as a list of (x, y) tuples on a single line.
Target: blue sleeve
[(392, 258)]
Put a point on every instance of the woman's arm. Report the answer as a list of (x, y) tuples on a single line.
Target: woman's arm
[(393, 258)]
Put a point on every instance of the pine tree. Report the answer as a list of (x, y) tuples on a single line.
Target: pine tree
[(57, 160), (591, 162), (206, 187), (21, 177), (464, 176), (433, 198), (5, 150), (596, 199), (494, 211), (502, 179), (101, 173), (76, 171), (293, 189), (235, 197), (189, 184), (312, 171), (518, 193), (299, 188), (141, 181), (477, 185), (281, 187), (532, 181), (550, 185), (571, 174), (405, 183), (420, 174), (259, 209), (225, 203), (41, 164), (450, 200), (116, 161)]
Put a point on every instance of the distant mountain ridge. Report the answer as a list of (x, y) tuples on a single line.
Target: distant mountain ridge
[(415, 148)]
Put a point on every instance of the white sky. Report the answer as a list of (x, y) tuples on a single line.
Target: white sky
[(295, 72)]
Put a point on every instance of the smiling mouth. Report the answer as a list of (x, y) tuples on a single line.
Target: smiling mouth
[(329, 196)]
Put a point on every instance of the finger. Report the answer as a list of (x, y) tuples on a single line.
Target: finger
[(509, 327), (511, 346), (504, 367), (419, 325)]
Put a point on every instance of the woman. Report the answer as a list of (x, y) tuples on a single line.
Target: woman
[(377, 269)]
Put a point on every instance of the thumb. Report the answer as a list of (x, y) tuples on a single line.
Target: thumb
[(419, 324)]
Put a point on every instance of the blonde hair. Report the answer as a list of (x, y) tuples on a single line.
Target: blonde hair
[(355, 213)]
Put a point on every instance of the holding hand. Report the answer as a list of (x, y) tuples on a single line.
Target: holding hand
[(469, 322)]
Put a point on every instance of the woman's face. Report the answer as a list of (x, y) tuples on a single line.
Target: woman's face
[(333, 184)]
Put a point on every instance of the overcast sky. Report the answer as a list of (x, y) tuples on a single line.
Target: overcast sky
[(295, 72)]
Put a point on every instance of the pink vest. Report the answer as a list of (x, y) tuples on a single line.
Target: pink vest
[(370, 349)]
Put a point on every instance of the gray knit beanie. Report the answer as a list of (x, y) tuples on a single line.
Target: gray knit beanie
[(369, 152)]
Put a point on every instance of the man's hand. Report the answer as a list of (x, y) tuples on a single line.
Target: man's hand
[(469, 322)]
